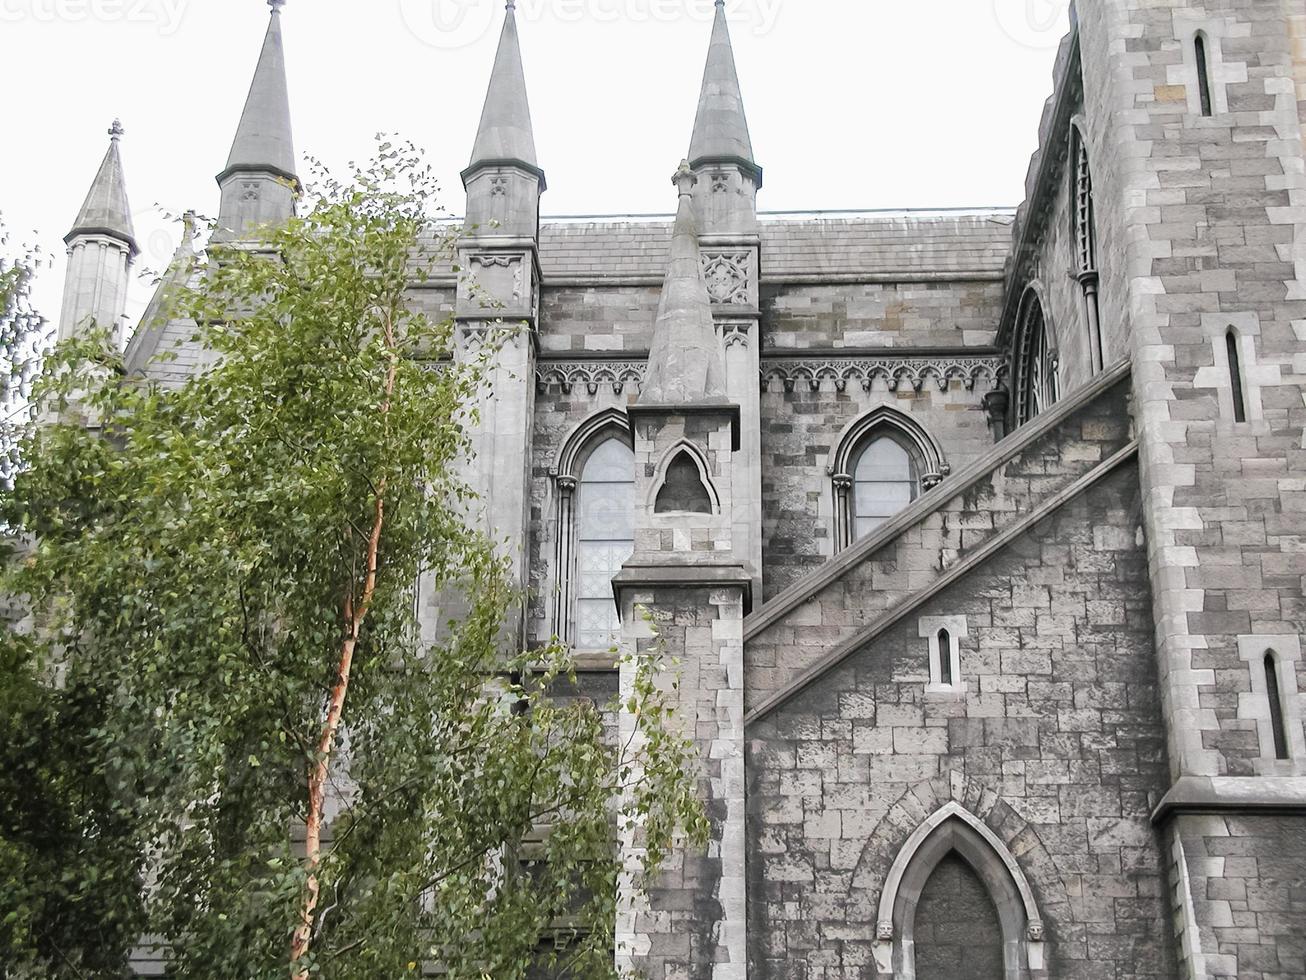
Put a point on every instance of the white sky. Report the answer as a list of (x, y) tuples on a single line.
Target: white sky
[(851, 103)]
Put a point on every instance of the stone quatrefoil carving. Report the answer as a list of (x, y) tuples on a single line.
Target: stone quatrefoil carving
[(727, 275)]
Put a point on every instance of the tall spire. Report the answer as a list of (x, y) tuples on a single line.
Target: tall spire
[(101, 247), (106, 211), (686, 362), (505, 132), (259, 183), (720, 128), (263, 141)]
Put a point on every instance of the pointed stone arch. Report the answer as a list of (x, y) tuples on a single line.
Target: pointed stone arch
[(683, 451), (954, 829), (612, 421)]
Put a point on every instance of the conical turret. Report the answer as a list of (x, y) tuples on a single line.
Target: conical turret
[(106, 211), (101, 247), (259, 182), (504, 180)]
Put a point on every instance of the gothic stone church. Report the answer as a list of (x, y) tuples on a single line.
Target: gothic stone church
[(982, 536)]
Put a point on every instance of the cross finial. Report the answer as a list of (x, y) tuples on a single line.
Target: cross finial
[(276, 5), (720, 3), (116, 130), (512, 5)]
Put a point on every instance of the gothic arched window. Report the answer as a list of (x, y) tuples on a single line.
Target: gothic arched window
[(883, 462), (885, 481), (1035, 361), (594, 494), (605, 538)]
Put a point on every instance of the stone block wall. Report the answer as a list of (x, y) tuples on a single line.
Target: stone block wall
[(1056, 744), (589, 319), (877, 580), (692, 923), (1246, 876), (1212, 210), (870, 315), (802, 428)]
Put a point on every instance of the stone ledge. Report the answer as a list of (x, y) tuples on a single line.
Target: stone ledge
[(709, 574), (1233, 794), (726, 409)]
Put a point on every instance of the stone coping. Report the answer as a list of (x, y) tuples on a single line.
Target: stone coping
[(1233, 794)]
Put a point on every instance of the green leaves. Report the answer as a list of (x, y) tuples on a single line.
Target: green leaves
[(198, 548)]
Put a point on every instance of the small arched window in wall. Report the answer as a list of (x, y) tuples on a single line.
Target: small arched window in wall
[(1274, 694), (682, 490), (1236, 376), (1272, 705), (1035, 361), (1203, 73), (944, 635), (944, 656), (605, 538)]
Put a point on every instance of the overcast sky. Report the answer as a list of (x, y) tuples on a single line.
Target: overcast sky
[(851, 103)]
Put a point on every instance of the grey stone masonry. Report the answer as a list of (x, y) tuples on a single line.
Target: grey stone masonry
[(1055, 745), (1203, 201), (910, 552), (684, 589), (1217, 211)]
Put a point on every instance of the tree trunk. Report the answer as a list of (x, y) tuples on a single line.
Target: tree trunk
[(354, 616)]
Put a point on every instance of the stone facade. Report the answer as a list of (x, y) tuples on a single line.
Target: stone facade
[(1055, 695)]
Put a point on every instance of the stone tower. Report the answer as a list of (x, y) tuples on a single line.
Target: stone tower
[(1198, 129), (101, 249), (686, 581), (259, 183), (497, 298)]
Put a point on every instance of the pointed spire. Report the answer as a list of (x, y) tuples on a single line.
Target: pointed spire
[(720, 128), (687, 362), (106, 211), (263, 141), (505, 132)]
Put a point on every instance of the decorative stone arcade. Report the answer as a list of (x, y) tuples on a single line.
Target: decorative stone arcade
[(686, 584)]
